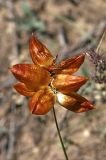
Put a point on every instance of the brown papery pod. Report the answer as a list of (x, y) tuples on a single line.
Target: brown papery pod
[(71, 65), (76, 104), (42, 101), (39, 53), (32, 75), (66, 83), (23, 90)]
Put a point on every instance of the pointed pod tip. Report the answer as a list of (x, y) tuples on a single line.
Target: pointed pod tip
[(88, 105), (85, 107), (81, 55), (33, 37), (13, 68)]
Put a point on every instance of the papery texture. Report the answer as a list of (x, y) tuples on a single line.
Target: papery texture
[(69, 66), (45, 81), (66, 83), (74, 102), (32, 75), (42, 101), (22, 89), (39, 53)]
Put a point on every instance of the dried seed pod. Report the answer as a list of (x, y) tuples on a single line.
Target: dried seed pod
[(42, 101), (66, 83), (74, 102), (71, 65), (39, 53), (32, 75), (22, 89), (41, 79)]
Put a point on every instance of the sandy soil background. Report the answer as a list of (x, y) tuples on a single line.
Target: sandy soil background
[(66, 27)]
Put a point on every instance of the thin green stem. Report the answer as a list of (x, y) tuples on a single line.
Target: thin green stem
[(58, 130)]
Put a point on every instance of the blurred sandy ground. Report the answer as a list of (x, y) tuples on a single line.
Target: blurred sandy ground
[(66, 27)]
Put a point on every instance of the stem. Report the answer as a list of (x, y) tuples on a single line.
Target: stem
[(58, 130), (100, 41)]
